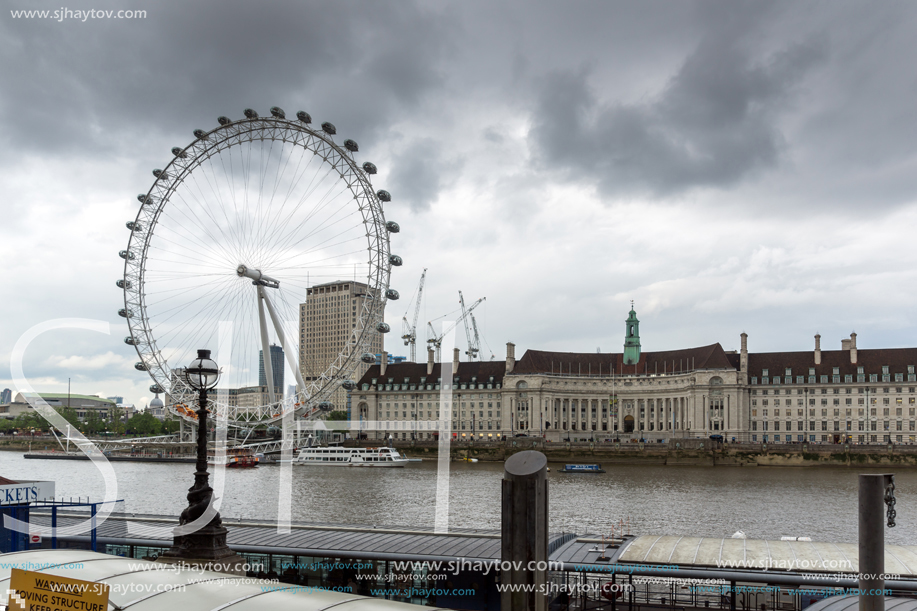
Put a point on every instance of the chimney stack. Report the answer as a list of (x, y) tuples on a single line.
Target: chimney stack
[(429, 361), (817, 349), (383, 363), (510, 356), (455, 360), (743, 355), (853, 348)]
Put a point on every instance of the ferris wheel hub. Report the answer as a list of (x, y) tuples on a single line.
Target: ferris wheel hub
[(257, 276)]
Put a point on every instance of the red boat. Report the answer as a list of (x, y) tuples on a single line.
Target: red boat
[(235, 458)]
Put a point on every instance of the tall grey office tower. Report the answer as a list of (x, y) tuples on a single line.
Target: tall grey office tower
[(277, 368)]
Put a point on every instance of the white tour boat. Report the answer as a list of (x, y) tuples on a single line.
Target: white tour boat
[(350, 457)]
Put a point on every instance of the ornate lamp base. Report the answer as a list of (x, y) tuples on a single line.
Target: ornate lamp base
[(205, 549)]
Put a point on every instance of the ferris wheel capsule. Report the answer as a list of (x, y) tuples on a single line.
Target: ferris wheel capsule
[(200, 134), (224, 120), (384, 195), (250, 114), (141, 366), (125, 313), (325, 406), (134, 226), (392, 294), (123, 284), (351, 146), (395, 260), (126, 254), (278, 112), (348, 385), (161, 175), (329, 128), (366, 357), (393, 227), (304, 117), (178, 152), (383, 327), (370, 168), (156, 389), (129, 341)]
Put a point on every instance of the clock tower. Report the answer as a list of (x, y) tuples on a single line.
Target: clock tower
[(632, 338)]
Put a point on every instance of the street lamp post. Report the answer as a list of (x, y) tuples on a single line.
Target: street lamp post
[(207, 545)]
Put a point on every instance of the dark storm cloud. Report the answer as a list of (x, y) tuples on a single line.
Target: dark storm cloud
[(714, 123), (93, 86), (417, 174)]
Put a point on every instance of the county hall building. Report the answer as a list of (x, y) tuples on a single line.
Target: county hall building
[(860, 396)]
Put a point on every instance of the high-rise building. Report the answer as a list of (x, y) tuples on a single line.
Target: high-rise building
[(277, 367), (6, 396), (328, 321), (118, 399)]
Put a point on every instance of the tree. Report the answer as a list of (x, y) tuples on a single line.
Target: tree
[(94, 423), (69, 415), (336, 416), (116, 419), (144, 424), (30, 420)]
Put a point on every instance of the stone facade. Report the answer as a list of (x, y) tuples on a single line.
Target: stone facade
[(328, 321), (858, 396)]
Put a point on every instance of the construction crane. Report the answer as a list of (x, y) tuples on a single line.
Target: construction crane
[(471, 331), (409, 330), (437, 340)]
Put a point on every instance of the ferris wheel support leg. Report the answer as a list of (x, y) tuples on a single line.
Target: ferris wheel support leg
[(291, 359), (265, 346)]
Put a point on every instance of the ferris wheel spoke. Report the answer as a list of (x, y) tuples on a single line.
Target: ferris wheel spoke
[(274, 223), (292, 234), (171, 295), (188, 211), (284, 264), (218, 195), (191, 335), (206, 211), (306, 195), (321, 245), (306, 190), (180, 308)]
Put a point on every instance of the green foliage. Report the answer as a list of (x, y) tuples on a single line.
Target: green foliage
[(116, 420), (29, 420), (336, 416), (144, 424), (69, 415), (94, 424)]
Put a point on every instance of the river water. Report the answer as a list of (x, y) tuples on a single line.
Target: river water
[(705, 501)]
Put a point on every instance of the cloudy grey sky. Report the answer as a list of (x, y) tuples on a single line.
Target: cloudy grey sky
[(728, 166)]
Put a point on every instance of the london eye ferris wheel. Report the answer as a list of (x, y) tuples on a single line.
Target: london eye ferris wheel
[(224, 245)]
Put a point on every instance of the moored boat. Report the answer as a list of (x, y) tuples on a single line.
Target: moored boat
[(350, 457), (590, 468), (235, 458)]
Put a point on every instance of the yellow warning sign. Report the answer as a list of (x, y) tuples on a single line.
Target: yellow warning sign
[(32, 591)]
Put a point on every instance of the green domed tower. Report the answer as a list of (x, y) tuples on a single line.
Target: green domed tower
[(632, 338)]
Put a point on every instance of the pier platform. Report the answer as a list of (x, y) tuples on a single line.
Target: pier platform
[(587, 571)]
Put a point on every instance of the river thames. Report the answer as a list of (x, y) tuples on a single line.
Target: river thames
[(820, 503)]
